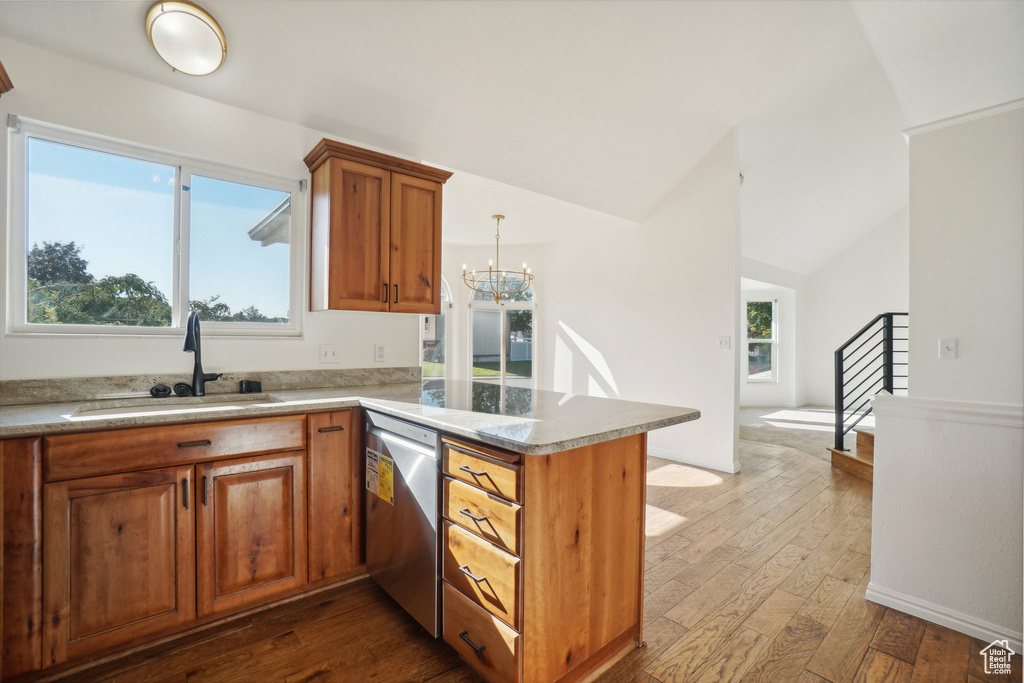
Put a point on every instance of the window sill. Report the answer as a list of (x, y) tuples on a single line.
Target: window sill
[(162, 333)]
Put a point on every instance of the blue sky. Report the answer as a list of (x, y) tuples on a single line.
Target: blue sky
[(120, 211)]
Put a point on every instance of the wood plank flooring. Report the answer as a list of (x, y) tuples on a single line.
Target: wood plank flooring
[(757, 576)]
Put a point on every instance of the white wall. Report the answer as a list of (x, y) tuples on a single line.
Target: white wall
[(872, 276), (946, 514), (783, 391), (66, 92), (966, 266), (636, 313), (948, 489)]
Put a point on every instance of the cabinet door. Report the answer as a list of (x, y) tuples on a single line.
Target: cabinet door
[(415, 245), (335, 495), (350, 219), (118, 559), (251, 530)]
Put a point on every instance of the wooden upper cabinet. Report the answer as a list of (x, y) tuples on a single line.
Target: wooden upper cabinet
[(375, 231), (415, 245), (118, 559), (351, 209), (250, 530)]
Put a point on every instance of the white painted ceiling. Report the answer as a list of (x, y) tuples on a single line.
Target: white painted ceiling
[(605, 105)]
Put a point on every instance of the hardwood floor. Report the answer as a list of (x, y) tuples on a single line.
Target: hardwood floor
[(758, 576)]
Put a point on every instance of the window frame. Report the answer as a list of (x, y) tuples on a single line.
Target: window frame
[(447, 305), (774, 341), (503, 307), (184, 167)]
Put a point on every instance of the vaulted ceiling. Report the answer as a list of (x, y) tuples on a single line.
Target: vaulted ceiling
[(606, 105)]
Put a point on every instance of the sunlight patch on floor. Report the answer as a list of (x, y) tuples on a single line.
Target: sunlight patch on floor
[(800, 416), (812, 417), (805, 427), (682, 476), (662, 522)]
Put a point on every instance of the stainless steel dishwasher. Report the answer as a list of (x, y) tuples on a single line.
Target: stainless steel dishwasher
[(402, 512)]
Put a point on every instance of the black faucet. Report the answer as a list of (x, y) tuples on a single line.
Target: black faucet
[(192, 343)]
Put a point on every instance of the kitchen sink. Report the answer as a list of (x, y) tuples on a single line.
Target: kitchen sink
[(165, 406)]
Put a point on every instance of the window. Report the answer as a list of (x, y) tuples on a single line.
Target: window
[(761, 341), (434, 338), (501, 339), (117, 238)]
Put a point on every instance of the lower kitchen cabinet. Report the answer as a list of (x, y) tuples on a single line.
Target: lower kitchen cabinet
[(250, 530), (119, 559), (549, 587), (335, 495), (213, 518)]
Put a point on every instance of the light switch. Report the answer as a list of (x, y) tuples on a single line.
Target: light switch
[(723, 343), (947, 349)]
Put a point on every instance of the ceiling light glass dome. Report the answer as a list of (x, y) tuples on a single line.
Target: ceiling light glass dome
[(187, 37)]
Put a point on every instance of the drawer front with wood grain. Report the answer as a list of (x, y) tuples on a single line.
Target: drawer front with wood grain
[(486, 575), (483, 642), (492, 518), (70, 456), (485, 473)]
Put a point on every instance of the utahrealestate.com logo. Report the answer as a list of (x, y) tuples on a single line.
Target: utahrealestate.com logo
[(997, 657)]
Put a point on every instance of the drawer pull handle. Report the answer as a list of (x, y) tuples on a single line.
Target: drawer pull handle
[(195, 444), (324, 430), (465, 468), (479, 648), (465, 570), (473, 517)]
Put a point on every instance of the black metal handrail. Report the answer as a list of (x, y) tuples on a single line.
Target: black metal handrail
[(843, 364)]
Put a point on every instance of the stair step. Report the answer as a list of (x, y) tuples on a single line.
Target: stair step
[(865, 444), (853, 462)]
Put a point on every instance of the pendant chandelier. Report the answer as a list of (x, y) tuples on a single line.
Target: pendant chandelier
[(495, 282)]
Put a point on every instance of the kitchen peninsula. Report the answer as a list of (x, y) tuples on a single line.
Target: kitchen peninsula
[(549, 586)]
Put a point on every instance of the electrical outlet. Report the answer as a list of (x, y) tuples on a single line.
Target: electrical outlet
[(378, 353), (947, 349), (329, 353), (723, 343)]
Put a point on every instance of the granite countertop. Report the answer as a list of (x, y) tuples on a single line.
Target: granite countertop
[(525, 420)]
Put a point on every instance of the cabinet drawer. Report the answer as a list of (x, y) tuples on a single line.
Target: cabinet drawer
[(487, 576), (483, 642), (486, 515), (69, 456), (485, 473)]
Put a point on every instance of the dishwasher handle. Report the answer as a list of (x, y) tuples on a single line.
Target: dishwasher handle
[(396, 440)]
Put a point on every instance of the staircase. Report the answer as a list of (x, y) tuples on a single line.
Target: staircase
[(861, 460), (873, 360)]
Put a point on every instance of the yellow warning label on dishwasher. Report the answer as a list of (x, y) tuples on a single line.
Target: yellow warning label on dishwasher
[(380, 475), (372, 477), (386, 479)]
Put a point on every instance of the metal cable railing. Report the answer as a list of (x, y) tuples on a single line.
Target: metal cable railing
[(887, 335)]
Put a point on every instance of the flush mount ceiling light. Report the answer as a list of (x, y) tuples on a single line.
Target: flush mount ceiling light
[(187, 37), (495, 282)]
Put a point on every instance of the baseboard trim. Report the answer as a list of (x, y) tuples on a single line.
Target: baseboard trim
[(992, 414), (958, 621), (696, 462)]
